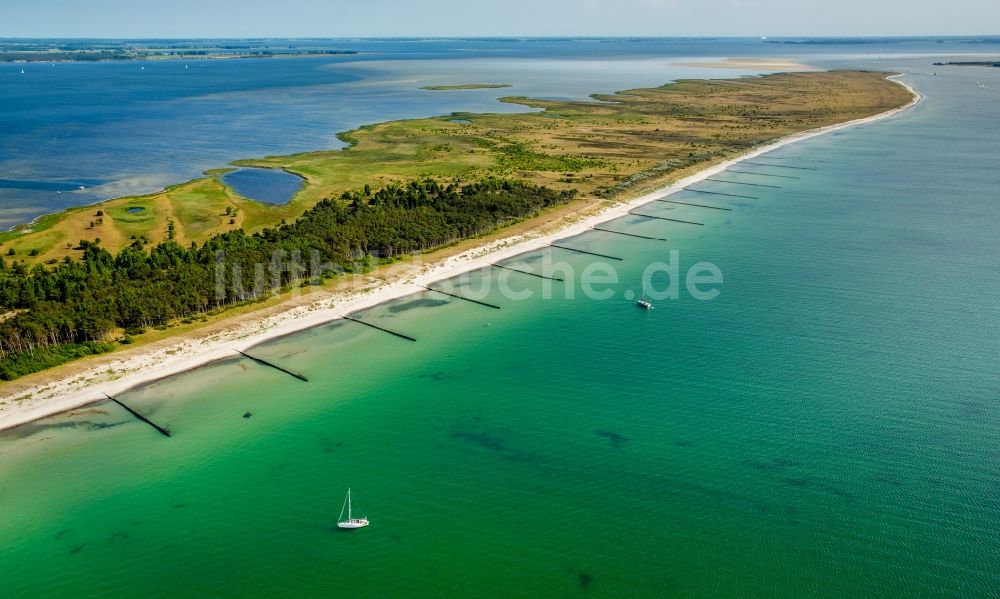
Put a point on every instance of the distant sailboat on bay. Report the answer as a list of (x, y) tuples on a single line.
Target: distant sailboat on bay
[(351, 522), (643, 300)]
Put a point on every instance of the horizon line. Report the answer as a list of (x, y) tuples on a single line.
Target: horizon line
[(510, 36)]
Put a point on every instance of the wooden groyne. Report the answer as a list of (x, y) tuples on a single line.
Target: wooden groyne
[(274, 366), (629, 234), (383, 329), (798, 168), (673, 220), (719, 193), (524, 272), (690, 204), (139, 416), (763, 174), (562, 247), (742, 183), (468, 299)]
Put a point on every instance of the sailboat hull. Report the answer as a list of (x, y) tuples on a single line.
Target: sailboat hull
[(351, 524)]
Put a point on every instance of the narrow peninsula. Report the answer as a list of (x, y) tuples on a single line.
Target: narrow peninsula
[(136, 270)]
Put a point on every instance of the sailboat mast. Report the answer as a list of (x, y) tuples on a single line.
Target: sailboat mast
[(340, 518), (351, 522)]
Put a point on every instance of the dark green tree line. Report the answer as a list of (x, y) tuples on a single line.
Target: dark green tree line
[(52, 315)]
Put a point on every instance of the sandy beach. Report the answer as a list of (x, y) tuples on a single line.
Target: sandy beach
[(754, 64), (18, 406)]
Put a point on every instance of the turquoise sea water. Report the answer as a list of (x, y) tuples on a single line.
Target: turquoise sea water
[(827, 426)]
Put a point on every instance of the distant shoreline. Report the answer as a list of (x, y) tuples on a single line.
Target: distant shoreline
[(42, 58), (969, 63), (240, 332)]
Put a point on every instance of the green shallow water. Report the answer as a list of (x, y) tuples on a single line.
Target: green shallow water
[(826, 427)]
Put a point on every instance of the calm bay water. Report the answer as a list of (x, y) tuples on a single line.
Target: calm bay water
[(132, 128), (826, 427), (271, 186)]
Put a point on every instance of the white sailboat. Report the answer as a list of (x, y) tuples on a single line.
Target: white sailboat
[(643, 300), (351, 521)]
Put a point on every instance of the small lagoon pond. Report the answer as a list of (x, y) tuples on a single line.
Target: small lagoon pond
[(271, 186)]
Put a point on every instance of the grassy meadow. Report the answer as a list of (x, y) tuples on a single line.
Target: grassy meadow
[(613, 145)]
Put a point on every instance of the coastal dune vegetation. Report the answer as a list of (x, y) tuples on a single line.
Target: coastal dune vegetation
[(79, 282)]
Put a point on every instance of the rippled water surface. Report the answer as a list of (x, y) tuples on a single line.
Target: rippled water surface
[(826, 427)]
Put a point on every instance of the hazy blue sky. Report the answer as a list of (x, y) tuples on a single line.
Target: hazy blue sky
[(340, 18)]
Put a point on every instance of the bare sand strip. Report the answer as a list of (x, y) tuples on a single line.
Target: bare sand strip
[(751, 64), (119, 376)]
